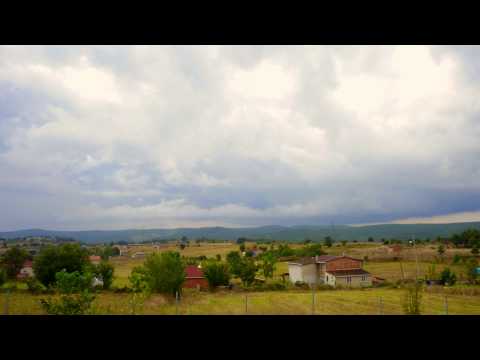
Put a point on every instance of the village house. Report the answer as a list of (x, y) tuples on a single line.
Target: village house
[(95, 259), (329, 270), (26, 271), (194, 277)]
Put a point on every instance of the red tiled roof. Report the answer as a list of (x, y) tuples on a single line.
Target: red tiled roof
[(95, 258), (193, 271), (28, 263), (348, 272), (326, 258)]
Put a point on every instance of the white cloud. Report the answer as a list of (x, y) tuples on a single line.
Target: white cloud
[(163, 135)]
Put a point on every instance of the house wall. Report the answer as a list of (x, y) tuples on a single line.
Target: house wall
[(295, 273), (194, 283), (356, 281), (343, 263), (303, 273)]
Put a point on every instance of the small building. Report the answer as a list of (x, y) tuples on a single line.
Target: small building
[(194, 277), (330, 270), (95, 259), (138, 255), (26, 271)]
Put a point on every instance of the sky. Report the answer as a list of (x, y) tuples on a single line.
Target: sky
[(116, 137)]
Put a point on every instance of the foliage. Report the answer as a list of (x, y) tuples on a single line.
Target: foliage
[(328, 241), (233, 260), (75, 298), (241, 240), (475, 249), (3, 276), (456, 259), (137, 279), (248, 270), (34, 286), (370, 239), (448, 277), (441, 250), (471, 270), (431, 273), (52, 259), (216, 273), (218, 257), (268, 265), (164, 272), (413, 299), (344, 242), (104, 271), (109, 251), (242, 247), (310, 250), (468, 238), (12, 261)]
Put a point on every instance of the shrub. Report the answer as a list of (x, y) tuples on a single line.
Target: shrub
[(216, 273), (164, 272), (448, 277), (52, 259), (302, 285), (456, 259), (35, 287), (3, 276), (268, 265), (12, 261), (248, 270), (75, 298), (105, 271), (471, 270)]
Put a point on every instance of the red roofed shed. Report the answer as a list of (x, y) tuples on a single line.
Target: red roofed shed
[(194, 278)]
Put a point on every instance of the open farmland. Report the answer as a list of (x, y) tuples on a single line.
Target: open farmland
[(333, 302)]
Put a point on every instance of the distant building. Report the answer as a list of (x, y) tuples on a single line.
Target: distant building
[(95, 259), (330, 270), (26, 271), (138, 255), (194, 277)]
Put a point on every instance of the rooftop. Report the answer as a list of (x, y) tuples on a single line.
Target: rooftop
[(348, 272)]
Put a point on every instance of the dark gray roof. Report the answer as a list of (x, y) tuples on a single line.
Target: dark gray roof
[(348, 272)]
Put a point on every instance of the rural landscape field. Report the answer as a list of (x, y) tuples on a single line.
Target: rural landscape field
[(240, 179), (396, 269)]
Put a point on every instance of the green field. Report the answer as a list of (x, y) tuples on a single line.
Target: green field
[(328, 302)]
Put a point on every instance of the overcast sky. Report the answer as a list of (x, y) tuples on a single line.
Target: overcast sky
[(113, 137)]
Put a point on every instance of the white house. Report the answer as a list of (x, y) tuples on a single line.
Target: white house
[(330, 270)]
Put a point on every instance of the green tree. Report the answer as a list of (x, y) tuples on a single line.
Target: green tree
[(268, 265), (216, 273), (370, 239), (448, 277), (328, 241), (248, 271), (441, 250), (233, 260), (471, 270), (475, 250), (53, 259), (105, 271), (12, 260), (218, 257), (3, 276), (242, 247), (344, 242), (75, 295), (164, 272)]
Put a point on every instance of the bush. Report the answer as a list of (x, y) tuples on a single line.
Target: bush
[(302, 285), (12, 261), (35, 287), (53, 259), (105, 271), (164, 272), (248, 270), (216, 273), (448, 277), (75, 298), (456, 259), (3, 277)]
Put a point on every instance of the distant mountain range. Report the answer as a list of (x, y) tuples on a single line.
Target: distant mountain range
[(276, 232)]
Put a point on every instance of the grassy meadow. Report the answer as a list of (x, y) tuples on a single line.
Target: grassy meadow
[(461, 299)]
